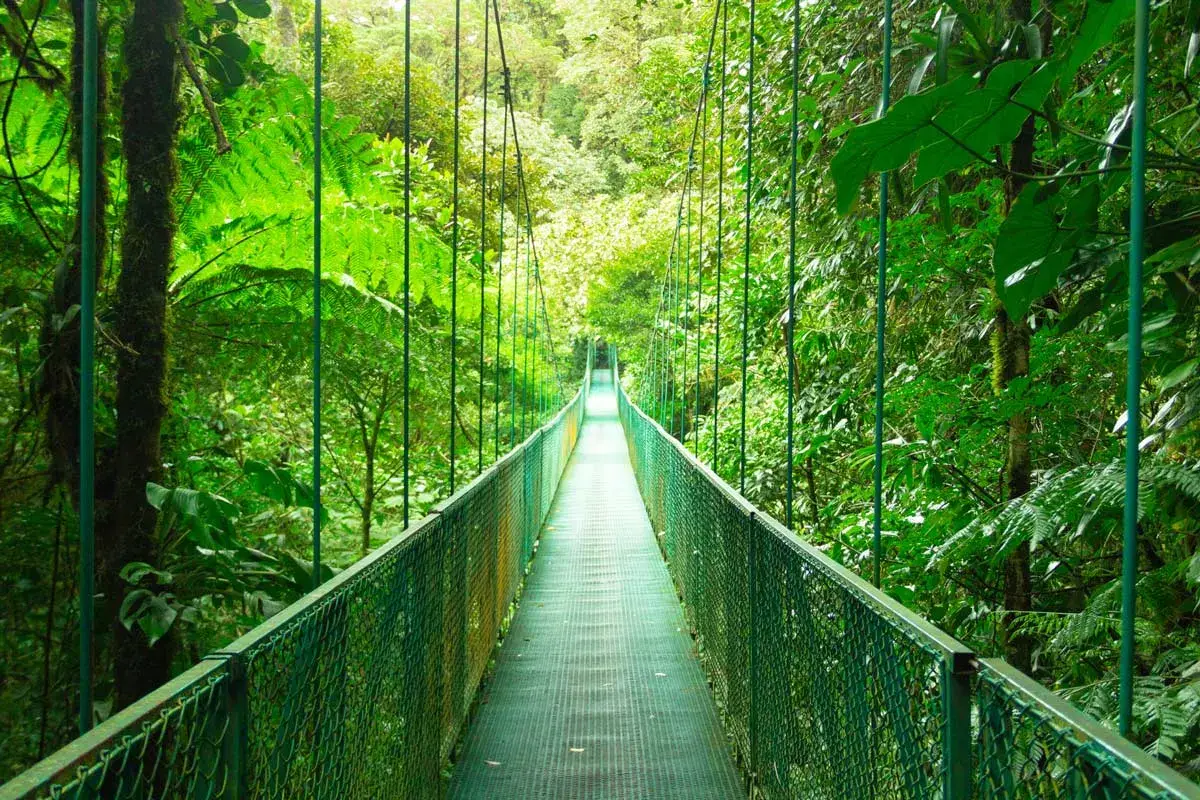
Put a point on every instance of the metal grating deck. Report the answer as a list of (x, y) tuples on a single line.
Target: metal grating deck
[(597, 691)]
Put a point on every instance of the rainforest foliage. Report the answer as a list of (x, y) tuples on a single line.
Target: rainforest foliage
[(1006, 146)]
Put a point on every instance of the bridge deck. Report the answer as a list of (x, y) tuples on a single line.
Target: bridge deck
[(597, 691)]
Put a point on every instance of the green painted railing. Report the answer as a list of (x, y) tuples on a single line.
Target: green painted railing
[(831, 689), (358, 690)]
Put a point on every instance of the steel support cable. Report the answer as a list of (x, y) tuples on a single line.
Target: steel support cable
[(684, 299), (407, 253), (672, 258), (790, 328), (508, 111), (716, 396), (650, 370), (512, 372), (528, 395), (316, 356), (89, 169), (531, 323), (700, 249), (483, 238), (524, 325), (684, 311), (1133, 381), (500, 279), (511, 111), (701, 125), (746, 249), (454, 242), (881, 312)]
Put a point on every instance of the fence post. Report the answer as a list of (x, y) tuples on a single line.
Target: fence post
[(957, 669), (752, 592), (235, 740)]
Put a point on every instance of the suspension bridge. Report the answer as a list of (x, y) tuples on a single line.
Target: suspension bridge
[(597, 614), (782, 673)]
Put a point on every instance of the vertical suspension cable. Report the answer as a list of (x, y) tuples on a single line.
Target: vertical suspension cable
[(454, 242), (700, 245), (684, 301), (668, 338), (536, 391), (500, 278), (516, 295), (483, 238), (1133, 381), (316, 355), (746, 251), (881, 311), (716, 396), (525, 346), (89, 168), (790, 331), (407, 247)]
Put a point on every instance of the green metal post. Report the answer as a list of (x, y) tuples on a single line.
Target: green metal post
[(500, 289), (791, 286), (746, 249), (407, 248), (956, 728), (1133, 381), (525, 336), (700, 253), (316, 359), (684, 300), (87, 362), (487, 16), (716, 396), (454, 243), (881, 309)]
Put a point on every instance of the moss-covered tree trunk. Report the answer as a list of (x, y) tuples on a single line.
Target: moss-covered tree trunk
[(150, 120), (1011, 351)]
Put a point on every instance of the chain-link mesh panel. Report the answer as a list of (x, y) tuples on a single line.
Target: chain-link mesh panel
[(829, 689), (1031, 746), (358, 690), (171, 744), (848, 702)]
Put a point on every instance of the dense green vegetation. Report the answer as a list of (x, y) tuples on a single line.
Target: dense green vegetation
[(1006, 146)]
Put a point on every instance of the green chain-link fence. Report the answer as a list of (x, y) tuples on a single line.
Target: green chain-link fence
[(359, 690), (830, 689)]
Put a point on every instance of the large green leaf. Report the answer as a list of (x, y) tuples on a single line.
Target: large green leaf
[(985, 117), (885, 144), (1039, 239), (1098, 28)]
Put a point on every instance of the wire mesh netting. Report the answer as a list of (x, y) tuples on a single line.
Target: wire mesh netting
[(1031, 745), (359, 689), (829, 689), (173, 743)]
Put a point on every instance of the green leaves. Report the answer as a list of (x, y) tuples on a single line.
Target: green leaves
[(257, 9), (1098, 28), (947, 127), (886, 144), (984, 118), (1039, 239), (206, 518)]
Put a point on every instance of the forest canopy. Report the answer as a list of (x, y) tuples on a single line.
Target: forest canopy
[(1006, 148)]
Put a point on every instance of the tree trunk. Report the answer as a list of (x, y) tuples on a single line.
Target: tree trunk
[(1010, 360), (150, 120), (368, 503)]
